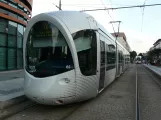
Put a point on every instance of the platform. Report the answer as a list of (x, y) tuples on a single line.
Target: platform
[(155, 69)]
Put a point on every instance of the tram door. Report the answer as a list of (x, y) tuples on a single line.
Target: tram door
[(118, 61), (102, 65)]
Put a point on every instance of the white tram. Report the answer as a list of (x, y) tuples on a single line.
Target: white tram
[(69, 57), (138, 59)]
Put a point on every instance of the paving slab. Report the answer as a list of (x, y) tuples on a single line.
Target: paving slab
[(149, 95), (10, 89), (155, 69), (11, 75)]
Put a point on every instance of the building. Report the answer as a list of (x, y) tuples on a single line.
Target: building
[(14, 15), (154, 53), (156, 45), (121, 38)]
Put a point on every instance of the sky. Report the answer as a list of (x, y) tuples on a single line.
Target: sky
[(140, 25)]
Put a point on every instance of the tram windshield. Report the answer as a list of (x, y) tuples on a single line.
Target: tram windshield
[(86, 46), (138, 59), (47, 52)]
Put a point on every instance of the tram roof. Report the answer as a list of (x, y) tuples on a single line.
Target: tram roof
[(76, 21)]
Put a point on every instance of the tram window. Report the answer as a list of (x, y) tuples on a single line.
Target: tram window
[(102, 53), (86, 46), (120, 55), (111, 56), (125, 59), (47, 52)]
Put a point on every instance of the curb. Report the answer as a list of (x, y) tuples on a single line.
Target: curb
[(157, 75), (12, 102), (15, 109), (11, 71)]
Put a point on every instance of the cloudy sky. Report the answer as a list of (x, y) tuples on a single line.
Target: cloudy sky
[(141, 26)]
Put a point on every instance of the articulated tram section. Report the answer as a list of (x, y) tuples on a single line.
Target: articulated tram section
[(52, 68)]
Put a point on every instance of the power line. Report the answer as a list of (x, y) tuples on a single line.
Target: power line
[(93, 4), (124, 7), (116, 35), (110, 17), (107, 10), (143, 16), (111, 22), (59, 7)]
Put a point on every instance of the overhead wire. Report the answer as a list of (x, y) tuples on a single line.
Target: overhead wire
[(107, 10), (85, 6), (124, 7), (110, 17), (143, 16), (95, 4)]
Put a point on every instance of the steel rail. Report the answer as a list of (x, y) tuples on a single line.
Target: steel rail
[(137, 117)]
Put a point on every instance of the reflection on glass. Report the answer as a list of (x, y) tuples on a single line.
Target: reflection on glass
[(10, 45), (12, 28), (86, 46), (19, 58), (13, 5), (11, 58), (20, 30), (47, 51), (3, 25), (12, 15), (3, 11), (5, 1), (2, 58), (19, 42), (111, 55), (3, 39), (20, 18), (11, 41)]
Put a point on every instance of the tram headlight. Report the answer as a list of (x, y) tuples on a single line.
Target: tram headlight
[(64, 81), (67, 80)]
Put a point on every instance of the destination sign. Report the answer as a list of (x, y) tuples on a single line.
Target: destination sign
[(44, 34), (45, 30)]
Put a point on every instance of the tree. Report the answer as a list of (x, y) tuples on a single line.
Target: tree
[(140, 54), (133, 54), (154, 55)]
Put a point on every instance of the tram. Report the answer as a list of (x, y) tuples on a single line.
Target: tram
[(138, 59), (69, 57)]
